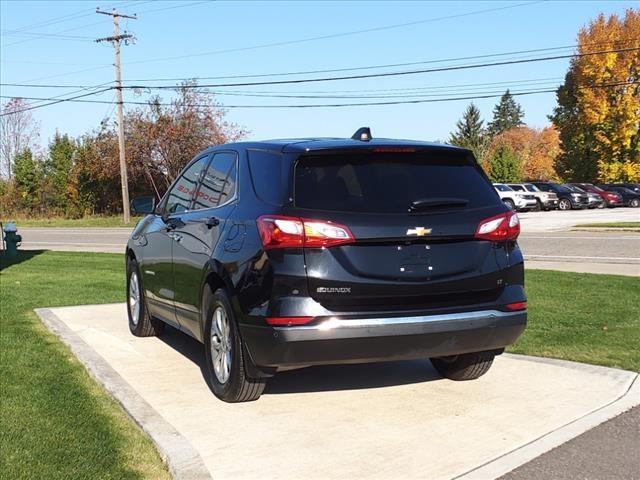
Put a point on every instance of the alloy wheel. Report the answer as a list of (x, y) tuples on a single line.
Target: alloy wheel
[(564, 204), (221, 345), (134, 298)]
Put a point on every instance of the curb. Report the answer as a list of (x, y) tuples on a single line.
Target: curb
[(523, 454), (183, 461), (605, 229)]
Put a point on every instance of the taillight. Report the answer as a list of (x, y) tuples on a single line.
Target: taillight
[(517, 306), (278, 231), (505, 226)]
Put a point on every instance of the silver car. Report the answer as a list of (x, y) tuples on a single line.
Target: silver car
[(520, 201), (544, 200)]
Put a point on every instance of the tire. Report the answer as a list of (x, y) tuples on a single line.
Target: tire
[(564, 204), (509, 203), (141, 324), (600, 206), (468, 366), (538, 207), (225, 356), (635, 203)]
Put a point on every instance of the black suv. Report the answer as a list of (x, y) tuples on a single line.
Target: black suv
[(567, 198), (289, 253)]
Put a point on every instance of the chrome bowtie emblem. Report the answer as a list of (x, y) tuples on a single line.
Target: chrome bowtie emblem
[(419, 231)]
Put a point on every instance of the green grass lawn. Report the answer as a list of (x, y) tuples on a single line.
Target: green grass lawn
[(583, 317), (56, 422), (96, 221), (612, 225)]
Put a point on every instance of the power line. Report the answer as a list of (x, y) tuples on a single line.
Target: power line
[(352, 77), (391, 91), (39, 35), (174, 6), (337, 35), (53, 102), (386, 74), (369, 67), (54, 21), (61, 19), (333, 105)]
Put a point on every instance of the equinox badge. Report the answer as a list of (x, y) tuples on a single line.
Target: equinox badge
[(419, 231)]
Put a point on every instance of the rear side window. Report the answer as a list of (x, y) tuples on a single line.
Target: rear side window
[(387, 182), (266, 175)]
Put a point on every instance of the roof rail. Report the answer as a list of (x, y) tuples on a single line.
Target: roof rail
[(363, 134)]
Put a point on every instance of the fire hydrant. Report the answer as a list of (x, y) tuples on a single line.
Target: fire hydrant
[(12, 239)]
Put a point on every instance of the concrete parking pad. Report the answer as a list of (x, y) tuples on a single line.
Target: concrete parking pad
[(391, 420)]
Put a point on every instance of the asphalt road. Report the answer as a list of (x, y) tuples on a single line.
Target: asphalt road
[(609, 451), (543, 241), (600, 247), (110, 240), (604, 247)]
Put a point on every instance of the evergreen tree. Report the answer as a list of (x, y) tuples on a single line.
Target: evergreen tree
[(27, 174), (506, 115), (505, 166), (58, 168), (470, 132)]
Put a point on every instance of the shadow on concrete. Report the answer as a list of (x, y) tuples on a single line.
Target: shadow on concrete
[(22, 256), (319, 378)]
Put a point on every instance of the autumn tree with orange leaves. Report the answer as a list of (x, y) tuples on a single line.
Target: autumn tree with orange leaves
[(535, 149), (598, 112)]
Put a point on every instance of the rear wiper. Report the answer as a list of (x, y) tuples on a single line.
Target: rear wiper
[(438, 202)]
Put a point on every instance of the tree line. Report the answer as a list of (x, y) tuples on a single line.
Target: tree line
[(76, 177), (594, 136)]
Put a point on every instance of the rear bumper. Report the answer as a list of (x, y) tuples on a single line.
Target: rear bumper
[(550, 203), (356, 340)]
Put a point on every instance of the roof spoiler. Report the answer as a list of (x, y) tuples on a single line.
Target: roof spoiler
[(362, 134)]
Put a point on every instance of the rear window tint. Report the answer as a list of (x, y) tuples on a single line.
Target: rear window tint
[(266, 175), (387, 182)]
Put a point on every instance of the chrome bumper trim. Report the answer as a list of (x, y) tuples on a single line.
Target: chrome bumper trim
[(334, 323)]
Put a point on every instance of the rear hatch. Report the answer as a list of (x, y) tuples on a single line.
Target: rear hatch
[(413, 215)]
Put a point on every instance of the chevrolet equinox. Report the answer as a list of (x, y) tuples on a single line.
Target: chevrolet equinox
[(288, 253)]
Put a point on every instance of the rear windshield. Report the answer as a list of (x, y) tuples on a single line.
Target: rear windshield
[(387, 182)]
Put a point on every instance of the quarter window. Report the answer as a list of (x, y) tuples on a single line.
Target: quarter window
[(181, 194), (219, 182)]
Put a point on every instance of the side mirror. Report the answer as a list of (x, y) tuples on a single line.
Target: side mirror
[(143, 205)]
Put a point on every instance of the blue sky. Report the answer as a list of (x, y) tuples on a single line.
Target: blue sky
[(180, 28)]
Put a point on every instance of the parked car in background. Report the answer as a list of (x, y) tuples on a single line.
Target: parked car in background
[(631, 186), (567, 199), (284, 254), (629, 197), (544, 200), (595, 200), (611, 199), (519, 201)]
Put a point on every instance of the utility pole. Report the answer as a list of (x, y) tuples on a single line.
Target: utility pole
[(116, 39)]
